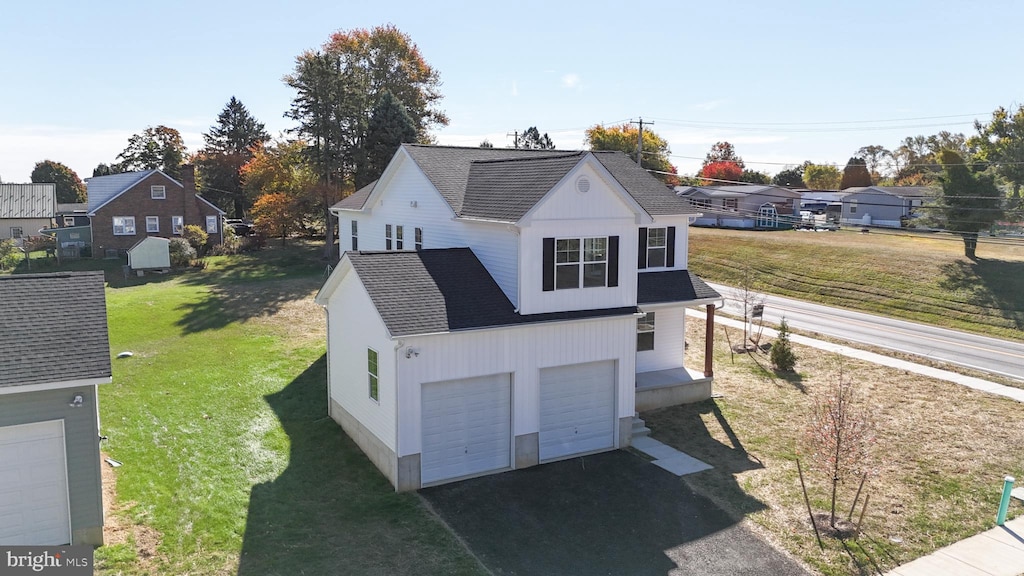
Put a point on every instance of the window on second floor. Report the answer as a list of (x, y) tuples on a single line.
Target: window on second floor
[(152, 223), (355, 235), (580, 262), (419, 238), (393, 237), (657, 247), (124, 225), (158, 192)]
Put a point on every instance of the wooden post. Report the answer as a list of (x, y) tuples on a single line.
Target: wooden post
[(709, 341)]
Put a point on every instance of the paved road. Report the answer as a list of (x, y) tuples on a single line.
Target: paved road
[(992, 355)]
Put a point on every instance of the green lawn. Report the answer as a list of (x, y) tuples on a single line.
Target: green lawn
[(921, 277), (230, 462)]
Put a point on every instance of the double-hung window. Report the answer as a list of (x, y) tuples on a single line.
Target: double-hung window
[(373, 373), (418, 238), (211, 224), (393, 237), (355, 235), (177, 224), (124, 225), (158, 192), (657, 243), (645, 332), (152, 223)]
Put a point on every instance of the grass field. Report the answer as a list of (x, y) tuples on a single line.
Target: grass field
[(921, 277), (942, 452), (230, 464)]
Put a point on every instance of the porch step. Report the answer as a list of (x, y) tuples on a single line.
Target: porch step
[(640, 428)]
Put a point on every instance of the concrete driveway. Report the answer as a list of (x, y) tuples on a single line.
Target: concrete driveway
[(612, 513)]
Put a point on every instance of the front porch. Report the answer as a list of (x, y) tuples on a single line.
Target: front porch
[(671, 387)]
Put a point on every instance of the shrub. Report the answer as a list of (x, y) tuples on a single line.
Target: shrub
[(196, 237), (782, 356), (232, 243), (9, 254), (181, 252)]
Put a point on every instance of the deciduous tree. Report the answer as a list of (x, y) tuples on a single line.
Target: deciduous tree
[(722, 172), (755, 177), (277, 214), (70, 188), (855, 174), (969, 202), (822, 176), (624, 138), (1001, 142), (874, 157), (155, 147), (723, 152), (790, 177)]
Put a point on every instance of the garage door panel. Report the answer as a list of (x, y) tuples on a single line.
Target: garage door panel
[(466, 427), (33, 485), (577, 411)]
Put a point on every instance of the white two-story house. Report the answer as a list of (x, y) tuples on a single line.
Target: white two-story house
[(495, 309)]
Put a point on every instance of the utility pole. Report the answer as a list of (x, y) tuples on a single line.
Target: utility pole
[(640, 139), (514, 135)]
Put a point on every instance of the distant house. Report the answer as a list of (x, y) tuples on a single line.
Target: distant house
[(25, 209), (885, 206), (747, 206), (72, 215), (54, 351), (125, 208), (822, 202)]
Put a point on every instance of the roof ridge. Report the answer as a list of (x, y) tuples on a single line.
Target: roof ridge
[(446, 146), (556, 156)]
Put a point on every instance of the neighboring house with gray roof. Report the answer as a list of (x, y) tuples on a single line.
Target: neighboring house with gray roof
[(495, 309), (25, 209), (54, 351), (744, 206), (885, 206)]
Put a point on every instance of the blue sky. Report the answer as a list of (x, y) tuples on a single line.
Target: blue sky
[(783, 81)]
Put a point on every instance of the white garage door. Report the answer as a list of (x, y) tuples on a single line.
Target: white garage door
[(33, 485), (467, 427), (577, 409)]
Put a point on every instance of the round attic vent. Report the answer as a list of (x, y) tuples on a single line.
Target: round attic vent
[(583, 184)]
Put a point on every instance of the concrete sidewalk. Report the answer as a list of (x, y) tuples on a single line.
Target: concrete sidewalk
[(968, 381), (997, 552)]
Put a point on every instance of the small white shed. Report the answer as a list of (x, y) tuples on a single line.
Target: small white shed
[(150, 253)]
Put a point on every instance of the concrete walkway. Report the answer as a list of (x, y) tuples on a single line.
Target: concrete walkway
[(997, 552), (667, 457), (975, 383)]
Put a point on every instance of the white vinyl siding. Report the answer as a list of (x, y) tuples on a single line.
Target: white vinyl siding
[(577, 409), (211, 224), (124, 225), (668, 341), (34, 491), (152, 223), (467, 427), (158, 192)]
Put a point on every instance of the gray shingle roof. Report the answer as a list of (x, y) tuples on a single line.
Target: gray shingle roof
[(433, 291), (53, 328), (507, 189), (357, 199), (671, 286), (649, 192)]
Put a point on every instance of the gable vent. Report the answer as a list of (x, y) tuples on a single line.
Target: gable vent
[(583, 184)]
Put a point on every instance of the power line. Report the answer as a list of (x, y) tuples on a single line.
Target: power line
[(820, 123)]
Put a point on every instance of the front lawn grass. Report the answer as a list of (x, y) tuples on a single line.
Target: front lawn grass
[(920, 277), (230, 463), (942, 452)]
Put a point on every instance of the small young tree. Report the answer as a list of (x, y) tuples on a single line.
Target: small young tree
[(277, 214), (782, 356), (747, 295), (839, 437)]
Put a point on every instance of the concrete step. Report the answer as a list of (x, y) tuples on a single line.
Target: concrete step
[(639, 428)]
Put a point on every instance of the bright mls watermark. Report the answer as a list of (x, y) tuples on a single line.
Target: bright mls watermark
[(60, 560)]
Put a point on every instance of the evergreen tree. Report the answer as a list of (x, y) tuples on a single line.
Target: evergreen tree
[(70, 188), (782, 357), (532, 139), (790, 177), (855, 174), (390, 126), (969, 202), (229, 145), (754, 177)]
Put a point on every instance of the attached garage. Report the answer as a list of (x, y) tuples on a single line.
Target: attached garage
[(577, 409), (467, 427), (34, 485)]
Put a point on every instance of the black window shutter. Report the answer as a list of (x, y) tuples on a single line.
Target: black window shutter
[(670, 249), (613, 261), (549, 264), (641, 252)]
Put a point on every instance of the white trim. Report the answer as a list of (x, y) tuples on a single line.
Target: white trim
[(622, 316), (54, 385), (680, 304)]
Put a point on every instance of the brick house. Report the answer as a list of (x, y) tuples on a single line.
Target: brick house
[(125, 208)]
